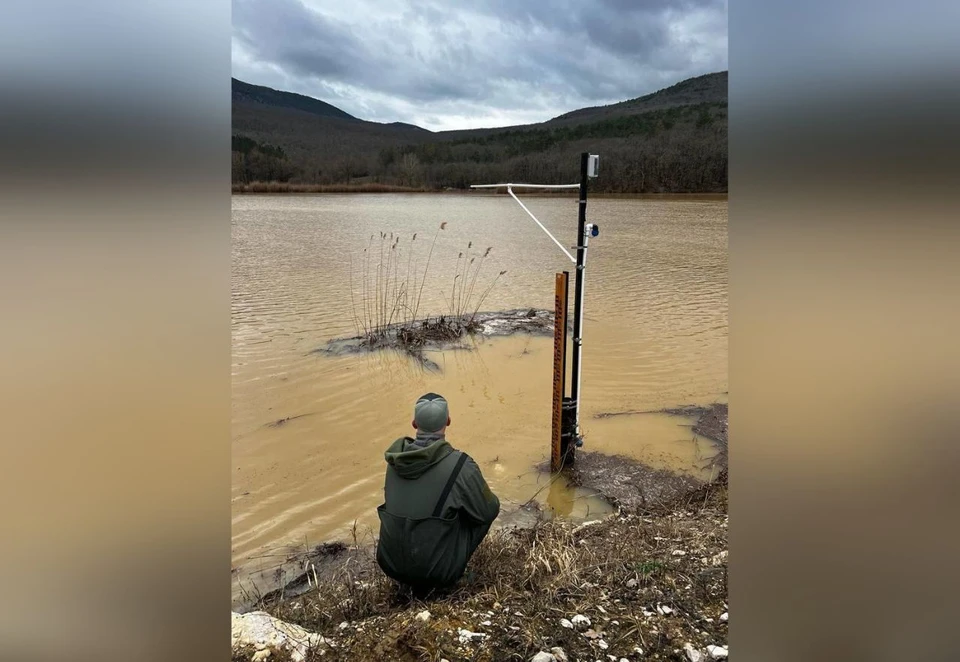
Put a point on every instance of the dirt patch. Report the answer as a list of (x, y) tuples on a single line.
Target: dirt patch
[(629, 484), (444, 333)]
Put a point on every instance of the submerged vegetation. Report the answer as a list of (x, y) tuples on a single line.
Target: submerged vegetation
[(391, 293)]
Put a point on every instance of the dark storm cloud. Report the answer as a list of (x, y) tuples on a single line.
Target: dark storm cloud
[(495, 61)]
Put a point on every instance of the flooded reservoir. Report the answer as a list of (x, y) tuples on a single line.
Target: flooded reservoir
[(309, 429)]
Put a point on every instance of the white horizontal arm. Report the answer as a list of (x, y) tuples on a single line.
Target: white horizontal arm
[(525, 185)]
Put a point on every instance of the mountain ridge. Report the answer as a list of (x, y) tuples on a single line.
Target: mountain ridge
[(671, 140)]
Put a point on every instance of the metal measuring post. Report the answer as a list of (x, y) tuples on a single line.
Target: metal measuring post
[(589, 165), (566, 414)]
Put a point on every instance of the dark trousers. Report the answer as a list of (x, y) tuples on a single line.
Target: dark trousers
[(424, 590)]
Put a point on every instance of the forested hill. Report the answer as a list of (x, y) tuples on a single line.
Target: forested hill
[(673, 140), (245, 93)]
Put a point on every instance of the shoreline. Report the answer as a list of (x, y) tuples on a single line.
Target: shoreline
[(623, 483), (651, 577), (626, 485), (344, 189)]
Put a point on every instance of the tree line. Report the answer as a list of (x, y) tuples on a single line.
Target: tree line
[(680, 149)]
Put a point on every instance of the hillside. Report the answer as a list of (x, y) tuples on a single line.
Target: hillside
[(707, 89), (245, 93), (673, 140)]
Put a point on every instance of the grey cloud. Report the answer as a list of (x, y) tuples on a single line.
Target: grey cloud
[(493, 57)]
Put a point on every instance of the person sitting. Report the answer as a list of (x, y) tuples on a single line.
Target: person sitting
[(437, 506)]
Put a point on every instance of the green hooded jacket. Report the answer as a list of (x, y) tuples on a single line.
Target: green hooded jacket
[(416, 546)]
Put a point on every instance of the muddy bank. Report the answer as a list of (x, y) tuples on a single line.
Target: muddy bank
[(628, 484), (635, 585), (624, 483), (443, 333)]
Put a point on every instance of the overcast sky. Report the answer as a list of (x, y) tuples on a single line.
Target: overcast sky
[(457, 65)]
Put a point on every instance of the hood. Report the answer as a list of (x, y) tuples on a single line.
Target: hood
[(410, 460)]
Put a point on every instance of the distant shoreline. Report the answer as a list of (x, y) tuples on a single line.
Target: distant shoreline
[(274, 188)]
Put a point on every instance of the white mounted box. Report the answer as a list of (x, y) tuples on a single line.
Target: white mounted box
[(593, 165)]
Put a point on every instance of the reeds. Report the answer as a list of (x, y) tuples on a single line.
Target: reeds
[(390, 306)]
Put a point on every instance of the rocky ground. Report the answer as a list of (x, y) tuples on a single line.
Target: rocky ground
[(645, 584)]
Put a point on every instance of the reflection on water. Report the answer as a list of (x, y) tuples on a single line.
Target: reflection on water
[(309, 430)]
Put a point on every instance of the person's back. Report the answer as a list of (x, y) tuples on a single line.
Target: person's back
[(437, 506)]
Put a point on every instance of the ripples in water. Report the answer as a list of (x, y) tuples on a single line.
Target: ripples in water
[(655, 336)]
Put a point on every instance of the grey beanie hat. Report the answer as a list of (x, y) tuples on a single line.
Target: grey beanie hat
[(430, 412)]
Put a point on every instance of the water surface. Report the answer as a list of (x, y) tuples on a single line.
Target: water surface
[(655, 336)]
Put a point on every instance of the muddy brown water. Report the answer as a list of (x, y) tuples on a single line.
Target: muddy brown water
[(309, 429)]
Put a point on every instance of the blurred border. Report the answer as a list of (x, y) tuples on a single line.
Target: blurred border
[(114, 130), (844, 315), (115, 264)]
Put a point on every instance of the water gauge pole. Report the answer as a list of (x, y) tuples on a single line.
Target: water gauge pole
[(588, 168), (566, 434)]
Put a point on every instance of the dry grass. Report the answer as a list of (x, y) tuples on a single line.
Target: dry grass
[(616, 572), (287, 187)]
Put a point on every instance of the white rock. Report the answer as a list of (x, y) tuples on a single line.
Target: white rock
[(543, 657), (486, 623), (467, 636), (717, 652), (565, 623), (344, 625), (581, 621), (724, 617), (679, 552), (692, 653), (423, 616), (638, 650), (266, 633), (559, 654), (623, 659), (631, 583), (664, 610), (602, 644), (259, 656)]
